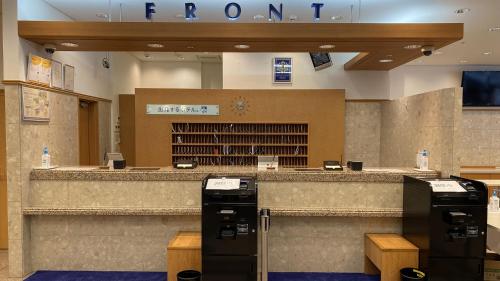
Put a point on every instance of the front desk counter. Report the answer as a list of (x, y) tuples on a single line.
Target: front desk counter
[(83, 218)]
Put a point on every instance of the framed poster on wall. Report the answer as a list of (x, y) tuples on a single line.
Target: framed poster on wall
[(57, 75), (69, 77), (35, 105), (282, 70), (39, 70)]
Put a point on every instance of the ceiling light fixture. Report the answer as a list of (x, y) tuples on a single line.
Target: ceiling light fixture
[(412, 47), (258, 17), (385, 60), (463, 61), (156, 45), (494, 29), (102, 15), (69, 45), (462, 11), (337, 18), (293, 17), (242, 46), (327, 46), (487, 53)]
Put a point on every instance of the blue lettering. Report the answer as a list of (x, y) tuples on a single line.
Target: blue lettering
[(274, 12), (238, 11), (150, 10), (190, 9), (317, 7)]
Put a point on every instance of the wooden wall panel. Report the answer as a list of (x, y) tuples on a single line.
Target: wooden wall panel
[(323, 110), (127, 128)]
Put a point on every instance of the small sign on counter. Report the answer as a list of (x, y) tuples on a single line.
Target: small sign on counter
[(446, 186), (223, 184)]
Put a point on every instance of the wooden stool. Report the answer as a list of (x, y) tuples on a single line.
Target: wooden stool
[(184, 253), (387, 254)]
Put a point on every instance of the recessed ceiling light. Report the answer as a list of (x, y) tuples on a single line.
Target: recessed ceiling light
[(293, 18), (462, 11), (438, 53), (69, 45), (156, 45), (327, 46), (412, 47), (464, 61), (337, 18), (258, 17), (487, 53), (242, 46), (102, 15), (385, 60), (493, 29)]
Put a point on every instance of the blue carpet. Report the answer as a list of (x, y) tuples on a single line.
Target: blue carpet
[(161, 276)]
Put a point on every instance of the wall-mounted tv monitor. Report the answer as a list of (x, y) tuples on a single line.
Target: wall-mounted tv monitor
[(481, 88), (321, 60)]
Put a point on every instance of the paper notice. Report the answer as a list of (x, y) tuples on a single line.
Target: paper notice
[(223, 184), (446, 186)]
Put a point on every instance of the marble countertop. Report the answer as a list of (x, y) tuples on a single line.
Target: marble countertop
[(171, 174), (480, 170)]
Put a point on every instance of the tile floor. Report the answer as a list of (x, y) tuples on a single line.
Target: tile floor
[(4, 265)]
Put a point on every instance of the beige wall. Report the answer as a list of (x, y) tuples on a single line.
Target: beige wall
[(480, 144), (25, 141), (431, 121), (362, 132)]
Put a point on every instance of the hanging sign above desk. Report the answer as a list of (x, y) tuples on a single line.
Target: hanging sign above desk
[(182, 109)]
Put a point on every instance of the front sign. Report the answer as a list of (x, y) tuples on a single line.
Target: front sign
[(232, 11), (182, 109)]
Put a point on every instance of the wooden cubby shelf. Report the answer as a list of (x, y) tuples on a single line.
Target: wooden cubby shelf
[(240, 144)]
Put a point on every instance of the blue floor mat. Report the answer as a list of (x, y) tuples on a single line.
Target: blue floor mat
[(96, 276), (162, 276), (307, 276)]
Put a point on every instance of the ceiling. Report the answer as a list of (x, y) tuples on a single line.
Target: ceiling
[(471, 50)]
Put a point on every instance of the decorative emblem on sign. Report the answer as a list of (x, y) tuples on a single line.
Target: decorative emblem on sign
[(240, 105)]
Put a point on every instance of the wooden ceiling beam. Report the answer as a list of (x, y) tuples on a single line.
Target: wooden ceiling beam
[(374, 41)]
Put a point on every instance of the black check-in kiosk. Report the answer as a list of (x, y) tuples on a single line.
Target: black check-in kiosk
[(446, 219), (229, 228)]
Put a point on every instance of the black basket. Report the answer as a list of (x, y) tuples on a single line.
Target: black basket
[(189, 275), (410, 274)]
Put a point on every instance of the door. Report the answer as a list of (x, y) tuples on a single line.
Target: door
[(88, 127), (3, 176)]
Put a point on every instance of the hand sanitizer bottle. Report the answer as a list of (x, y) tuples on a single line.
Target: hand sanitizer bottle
[(45, 158), (424, 160), (494, 202)]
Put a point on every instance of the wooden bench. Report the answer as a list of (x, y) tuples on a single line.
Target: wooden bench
[(183, 253), (387, 254)]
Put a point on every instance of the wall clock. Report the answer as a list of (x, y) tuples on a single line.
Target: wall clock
[(240, 106)]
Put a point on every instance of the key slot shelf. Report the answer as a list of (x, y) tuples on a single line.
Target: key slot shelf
[(240, 144)]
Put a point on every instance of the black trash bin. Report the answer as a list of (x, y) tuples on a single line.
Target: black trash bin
[(410, 274), (189, 275)]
